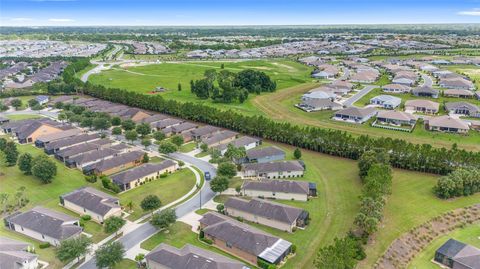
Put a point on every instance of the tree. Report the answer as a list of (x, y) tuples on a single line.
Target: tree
[(227, 169), (108, 255), (159, 136), (220, 208), (139, 259), (73, 248), (150, 203), (297, 153), (11, 153), (116, 130), (113, 224), (4, 201), (164, 218), (145, 158), (25, 161), (130, 205), (128, 125), (101, 123), (341, 254), (44, 168), (177, 140), (16, 103), (181, 163), (370, 157), (235, 154), (222, 66), (219, 183), (179, 87), (143, 129), (204, 147), (116, 121), (167, 147), (3, 144), (146, 142), (33, 102), (131, 135)]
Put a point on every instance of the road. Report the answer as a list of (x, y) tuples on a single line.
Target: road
[(350, 101), (146, 230), (427, 81)]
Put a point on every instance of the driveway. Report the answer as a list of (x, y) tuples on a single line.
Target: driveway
[(350, 101), (427, 80)]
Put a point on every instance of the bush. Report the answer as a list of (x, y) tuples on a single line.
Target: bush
[(264, 264), (105, 182), (91, 179), (206, 240), (164, 175), (239, 219), (294, 248), (86, 217), (44, 245)]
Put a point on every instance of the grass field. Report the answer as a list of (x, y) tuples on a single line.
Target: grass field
[(187, 147), (468, 235), (146, 78), (23, 116)]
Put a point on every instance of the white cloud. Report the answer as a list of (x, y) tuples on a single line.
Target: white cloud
[(60, 20), (473, 12), (21, 19)]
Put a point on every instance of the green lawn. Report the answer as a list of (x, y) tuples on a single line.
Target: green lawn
[(201, 154), (187, 147), (23, 116), (181, 182), (235, 182), (468, 235), (126, 264), (146, 78)]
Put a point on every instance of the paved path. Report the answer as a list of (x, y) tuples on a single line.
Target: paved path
[(97, 69), (350, 101), (427, 80)]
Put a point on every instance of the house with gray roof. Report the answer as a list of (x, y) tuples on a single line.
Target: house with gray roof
[(154, 118), (16, 254), (183, 127), (82, 160), (139, 175), (222, 137), (42, 99), (422, 106), (447, 124), (273, 170), (457, 83), (275, 215), (243, 241), (263, 155), (85, 147), (396, 88), (386, 101), (92, 202), (425, 91), (247, 142), (114, 165), (463, 108), (355, 114), (204, 131), (396, 118), (166, 123), (45, 139), (4, 120), (311, 105), (457, 255), (280, 189), (458, 93), (64, 143), (188, 257), (44, 225)]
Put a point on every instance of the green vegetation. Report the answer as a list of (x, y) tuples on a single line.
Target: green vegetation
[(187, 147), (468, 235), (23, 116)]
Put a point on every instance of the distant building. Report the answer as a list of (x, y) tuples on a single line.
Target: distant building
[(458, 93), (447, 124), (396, 88), (263, 155), (463, 108), (396, 118), (425, 92), (137, 176), (42, 99)]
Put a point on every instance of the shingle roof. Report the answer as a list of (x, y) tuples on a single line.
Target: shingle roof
[(92, 199), (448, 122), (140, 171), (357, 112), (283, 166), (82, 148), (205, 130), (47, 222), (166, 123), (239, 142), (183, 127), (285, 186), (93, 155), (191, 257), (467, 255), (395, 115), (264, 152), (119, 160), (218, 137), (59, 135), (71, 141), (425, 89), (423, 103), (265, 209), (455, 105)]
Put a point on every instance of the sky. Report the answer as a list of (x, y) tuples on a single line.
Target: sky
[(234, 12)]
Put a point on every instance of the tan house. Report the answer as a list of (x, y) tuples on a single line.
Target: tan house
[(222, 137), (422, 106), (447, 124), (116, 164), (280, 189), (139, 175), (278, 216), (92, 202)]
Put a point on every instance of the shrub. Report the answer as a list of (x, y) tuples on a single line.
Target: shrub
[(164, 175), (91, 179), (206, 240), (44, 245), (294, 248), (264, 264), (86, 217), (239, 219)]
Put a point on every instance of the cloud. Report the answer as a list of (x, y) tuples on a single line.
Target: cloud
[(472, 12), (60, 20), (21, 19)]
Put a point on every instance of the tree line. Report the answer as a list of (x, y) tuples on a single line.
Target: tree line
[(461, 182)]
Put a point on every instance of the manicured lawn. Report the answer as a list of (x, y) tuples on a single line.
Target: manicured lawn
[(187, 147), (126, 264), (201, 154), (167, 189), (23, 116), (145, 79), (468, 235), (235, 182)]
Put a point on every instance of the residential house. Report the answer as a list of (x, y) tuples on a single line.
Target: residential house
[(204, 131), (278, 216), (425, 92), (457, 83), (422, 106), (82, 160), (318, 105), (386, 101), (188, 257), (457, 255), (280, 189), (273, 170), (17, 255), (89, 201), (183, 127), (355, 114), (166, 123), (463, 108), (44, 225), (396, 88), (447, 124), (29, 131), (396, 118), (264, 155), (4, 120), (458, 93), (42, 99), (137, 176), (154, 118), (64, 143), (247, 142), (222, 137), (365, 76), (134, 114), (69, 152), (43, 140), (319, 93), (243, 241), (114, 165)]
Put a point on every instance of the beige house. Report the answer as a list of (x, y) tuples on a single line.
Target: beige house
[(92, 202), (447, 124), (273, 170), (279, 189), (16, 255), (422, 106)]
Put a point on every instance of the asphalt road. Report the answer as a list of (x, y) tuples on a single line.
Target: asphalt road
[(359, 95), (427, 81)]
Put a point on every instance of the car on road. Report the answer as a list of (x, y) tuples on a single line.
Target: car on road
[(207, 176)]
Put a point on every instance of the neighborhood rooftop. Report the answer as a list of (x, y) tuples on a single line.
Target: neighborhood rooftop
[(92, 200)]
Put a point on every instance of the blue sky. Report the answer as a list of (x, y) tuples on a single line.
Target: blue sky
[(235, 12)]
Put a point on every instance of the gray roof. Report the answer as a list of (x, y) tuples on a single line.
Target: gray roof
[(357, 112), (264, 152), (185, 126), (464, 254), (461, 105), (25, 130), (239, 142), (119, 160), (240, 235), (47, 222), (166, 123), (205, 130), (285, 186), (218, 137), (283, 166), (94, 155), (93, 200), (82, 148), (13, 253), (425, 90), (141, 171), (191, 257), (154, 118), (59, 135), (265, 209), (71, 141)]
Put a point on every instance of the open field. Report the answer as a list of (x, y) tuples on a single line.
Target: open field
[(23, 116), (145, 79), (468, 235)]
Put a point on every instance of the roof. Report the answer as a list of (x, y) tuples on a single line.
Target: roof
[(319, 94), (396, 115), (265, 209), (269, 167), (94, 155), (464, 254), (239, 142), (422, 103), (219, 137), (166, 123), (13, 253), (71, 141), (154, 118), (82, 148), (92, 200), (465, 105), (59, 135), (119, 160), (425, 90), (47, 222), (264, 152), (321, 103), (357, 112), (388, 99), (185, 126), (397, 87), (458, 92), (141, 171), (240, 235), (448, 122), (205, 130), (191, 257), (285, 186)]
